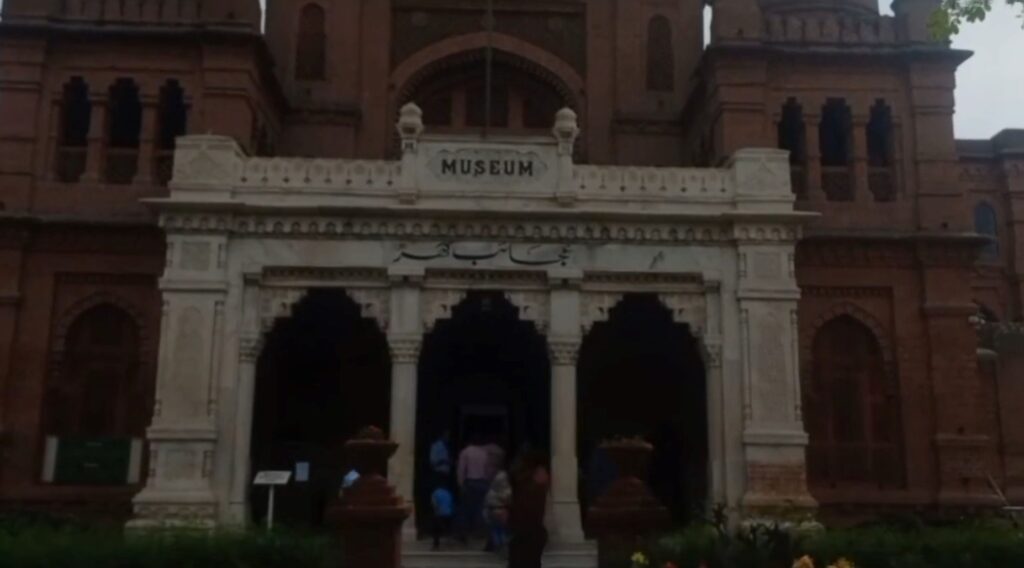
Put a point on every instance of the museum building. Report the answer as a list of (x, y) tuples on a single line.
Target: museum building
[(227, 246)]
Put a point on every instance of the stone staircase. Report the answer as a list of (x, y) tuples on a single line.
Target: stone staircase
[(419, 555)]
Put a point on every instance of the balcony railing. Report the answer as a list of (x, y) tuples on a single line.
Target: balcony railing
[(837, 183), (70, 163), (122, 165)]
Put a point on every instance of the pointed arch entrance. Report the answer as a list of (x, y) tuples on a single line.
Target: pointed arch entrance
[(483, 372), (640, 373), (324, 373)]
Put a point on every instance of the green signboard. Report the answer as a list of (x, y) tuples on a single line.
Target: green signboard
[(93, 461)]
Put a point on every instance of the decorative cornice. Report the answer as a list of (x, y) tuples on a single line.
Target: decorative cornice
[(715, 230)]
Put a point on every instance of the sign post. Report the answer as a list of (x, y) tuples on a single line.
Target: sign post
[(271, 479)]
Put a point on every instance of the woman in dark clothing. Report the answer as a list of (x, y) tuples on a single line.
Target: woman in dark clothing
[(530, 485)]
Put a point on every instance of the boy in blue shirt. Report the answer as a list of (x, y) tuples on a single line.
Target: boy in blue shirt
[(444, 508)]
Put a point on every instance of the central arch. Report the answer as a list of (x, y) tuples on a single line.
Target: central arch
[(484, 371), (642, 374)]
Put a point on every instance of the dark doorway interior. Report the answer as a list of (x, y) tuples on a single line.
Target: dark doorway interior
[(642, 374), (482, 372), (324, 374)]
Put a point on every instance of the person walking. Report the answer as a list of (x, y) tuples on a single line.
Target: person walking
[(496, 507), (473, 486), (443, 504), (441, 457), (530, 486)]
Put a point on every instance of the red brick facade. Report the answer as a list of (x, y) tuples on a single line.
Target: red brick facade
[(865, 103)]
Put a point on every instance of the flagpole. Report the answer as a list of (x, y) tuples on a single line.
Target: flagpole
[(488, 66)]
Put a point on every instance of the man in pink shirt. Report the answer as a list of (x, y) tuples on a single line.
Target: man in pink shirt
[(474, 465)]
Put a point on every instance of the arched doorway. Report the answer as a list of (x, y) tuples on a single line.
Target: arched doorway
[(642, 374), (324, 374), (483, 372)]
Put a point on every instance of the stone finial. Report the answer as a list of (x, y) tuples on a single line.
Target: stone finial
[(410, 125), (566, 130)]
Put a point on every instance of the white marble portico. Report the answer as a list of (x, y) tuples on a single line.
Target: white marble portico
[(247, 237)]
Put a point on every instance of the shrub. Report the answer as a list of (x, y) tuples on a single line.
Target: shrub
[(967, 545), (41, 546)]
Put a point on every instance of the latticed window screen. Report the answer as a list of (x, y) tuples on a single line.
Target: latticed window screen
[(661, 64), (852, 410), (311, 46)]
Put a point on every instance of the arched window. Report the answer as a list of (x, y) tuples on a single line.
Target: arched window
[(792, 137), (661, 66), (835, 141), (454, 98), (124, 133), (97, 391), (852, 410), (986, 223), (173, 123), (75, 121), (880, 152), (311, 47)]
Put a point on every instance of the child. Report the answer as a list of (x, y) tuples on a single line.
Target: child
[(443, 504)]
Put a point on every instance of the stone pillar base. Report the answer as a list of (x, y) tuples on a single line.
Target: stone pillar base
[(567, 526), (166, 510)]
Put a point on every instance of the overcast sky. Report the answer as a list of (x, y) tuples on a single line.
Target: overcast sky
[(990, 92)]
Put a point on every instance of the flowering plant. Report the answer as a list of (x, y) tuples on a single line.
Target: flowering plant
[(639, 560)]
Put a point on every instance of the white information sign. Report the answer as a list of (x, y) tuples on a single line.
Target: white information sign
[(273, 478)]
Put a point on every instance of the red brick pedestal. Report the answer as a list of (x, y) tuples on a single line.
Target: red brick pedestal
[(371, 514), (627, 515)]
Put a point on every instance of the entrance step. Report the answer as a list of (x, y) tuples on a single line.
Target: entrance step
[(557, 556)]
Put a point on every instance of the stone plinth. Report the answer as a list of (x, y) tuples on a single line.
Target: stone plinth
[(627, 514), (371, 514)]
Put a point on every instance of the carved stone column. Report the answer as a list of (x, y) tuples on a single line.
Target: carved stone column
[(405, 356), (565, 324), (405, 339), (564, 465)]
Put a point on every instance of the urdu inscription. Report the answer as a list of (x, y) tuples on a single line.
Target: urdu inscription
[(474, 252)]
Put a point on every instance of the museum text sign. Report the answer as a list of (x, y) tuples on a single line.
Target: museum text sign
[(471, 165)]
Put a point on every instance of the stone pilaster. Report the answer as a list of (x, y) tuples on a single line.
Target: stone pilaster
[(184, 436), (250, 345), (774, 439)]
